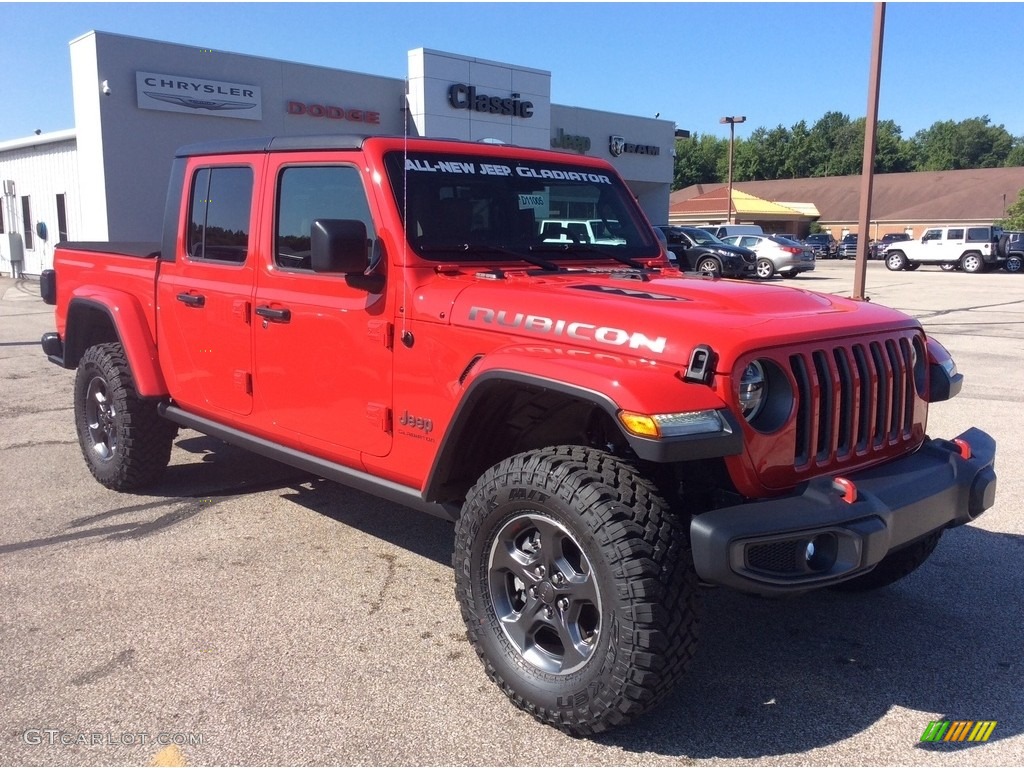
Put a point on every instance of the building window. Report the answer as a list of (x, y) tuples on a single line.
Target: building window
[(219, 216), (26, 215), (62, 220)]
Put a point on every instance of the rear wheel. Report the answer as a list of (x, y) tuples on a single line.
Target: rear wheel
[(765, 268), (895, 261), (125, 442), (577, 587), (1013, 264), (894, 566), (972, 263)]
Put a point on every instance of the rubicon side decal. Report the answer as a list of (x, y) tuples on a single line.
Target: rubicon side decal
[(616, 337)]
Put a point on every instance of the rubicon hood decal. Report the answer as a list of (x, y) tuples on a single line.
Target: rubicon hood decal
[(550, 326)]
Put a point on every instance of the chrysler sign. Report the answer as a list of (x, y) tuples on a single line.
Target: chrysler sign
[(179, 93)]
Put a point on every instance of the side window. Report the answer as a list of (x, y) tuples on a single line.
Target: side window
[(979, 235), (219, 214), (955, 234), (308, 193), (931, 234)]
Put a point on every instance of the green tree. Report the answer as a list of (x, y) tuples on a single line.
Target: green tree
[(1016, 157), (971, 143), (697, 160), (1015, 214)]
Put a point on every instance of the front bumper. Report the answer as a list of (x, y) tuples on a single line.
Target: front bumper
[(817, 538)]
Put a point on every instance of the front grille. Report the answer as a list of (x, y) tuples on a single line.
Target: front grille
[(855, 399)]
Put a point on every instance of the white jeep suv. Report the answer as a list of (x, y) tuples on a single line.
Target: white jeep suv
[(970, 248)]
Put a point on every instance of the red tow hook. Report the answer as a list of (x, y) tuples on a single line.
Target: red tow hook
[(847, 488), (964, 446)]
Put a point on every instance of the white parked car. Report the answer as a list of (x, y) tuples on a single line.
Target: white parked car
[(592, 231), (776, 255), (972, 249)]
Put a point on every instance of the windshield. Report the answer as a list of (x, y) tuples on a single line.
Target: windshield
[(475, 208), (700, 237)]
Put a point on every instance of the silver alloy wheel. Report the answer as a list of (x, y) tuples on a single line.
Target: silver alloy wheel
[(895, 261), (101, 419), (765, 268), (545, 593), (972, 263), (710, 267)]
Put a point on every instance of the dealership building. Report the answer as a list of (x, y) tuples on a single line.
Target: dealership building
[(136, 101)]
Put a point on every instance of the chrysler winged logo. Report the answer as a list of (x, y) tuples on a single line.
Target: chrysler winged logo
[(193, 103), (616, 145)]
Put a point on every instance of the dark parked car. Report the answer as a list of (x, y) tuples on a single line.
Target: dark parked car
[(700, 251), (879, 248), (823, 245), (1010, 249), (848, 247)]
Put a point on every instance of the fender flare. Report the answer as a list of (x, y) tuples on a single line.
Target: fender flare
[(590, 385), (128, 319)]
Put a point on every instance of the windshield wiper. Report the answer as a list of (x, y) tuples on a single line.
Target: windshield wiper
[(537, 261), (584, 248)]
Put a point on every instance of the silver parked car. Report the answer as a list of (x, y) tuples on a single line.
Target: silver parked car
[(776, 255)]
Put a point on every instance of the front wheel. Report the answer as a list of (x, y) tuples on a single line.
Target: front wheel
[(125, 442), (1013, 264), (949, 267), (577, 587), (710, 267), (895, 261), (765, 268)]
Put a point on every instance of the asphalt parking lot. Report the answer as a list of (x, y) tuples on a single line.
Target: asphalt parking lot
[(244, 613)]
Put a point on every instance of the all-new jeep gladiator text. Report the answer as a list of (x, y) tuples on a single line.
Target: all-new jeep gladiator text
[(606, 433)]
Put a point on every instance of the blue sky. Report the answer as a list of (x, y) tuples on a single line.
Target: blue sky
[(776, 63)]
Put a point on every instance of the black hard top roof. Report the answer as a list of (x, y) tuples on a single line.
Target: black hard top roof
[(271, 144)]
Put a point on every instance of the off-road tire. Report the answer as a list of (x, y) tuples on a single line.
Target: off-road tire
[(608, 543), (765, 268), (895, 261), (126, 444), (709, 266), (893, 566)]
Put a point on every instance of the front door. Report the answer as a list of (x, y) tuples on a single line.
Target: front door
[(322, 346)]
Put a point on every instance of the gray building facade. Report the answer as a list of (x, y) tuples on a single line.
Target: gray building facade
[(136, 101)]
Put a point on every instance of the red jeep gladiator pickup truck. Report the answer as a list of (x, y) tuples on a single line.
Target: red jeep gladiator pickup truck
[(607, 434)]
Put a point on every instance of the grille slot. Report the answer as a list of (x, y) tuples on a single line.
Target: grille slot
[(852, 399)]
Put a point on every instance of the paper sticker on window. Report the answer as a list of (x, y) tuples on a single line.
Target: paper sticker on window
[(538, 201)]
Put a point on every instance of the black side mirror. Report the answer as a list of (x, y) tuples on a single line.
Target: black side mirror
[(339, 246)]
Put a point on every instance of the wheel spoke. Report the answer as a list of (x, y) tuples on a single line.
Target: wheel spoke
[(507, 558), (575, 650), (520, 627)]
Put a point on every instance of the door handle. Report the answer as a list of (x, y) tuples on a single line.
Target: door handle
[(277, 315), (192, 299)]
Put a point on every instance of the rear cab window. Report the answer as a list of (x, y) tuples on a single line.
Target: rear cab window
[(220, 209)]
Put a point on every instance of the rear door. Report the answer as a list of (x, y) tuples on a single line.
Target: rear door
[(205, 293), (323, 360)]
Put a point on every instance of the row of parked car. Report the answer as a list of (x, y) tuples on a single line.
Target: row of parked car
[(736, 251), (741, 250)]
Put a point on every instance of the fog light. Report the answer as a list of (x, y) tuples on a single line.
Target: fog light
[(820, 552)]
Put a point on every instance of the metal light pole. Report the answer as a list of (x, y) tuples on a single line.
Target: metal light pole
[(732, 135)]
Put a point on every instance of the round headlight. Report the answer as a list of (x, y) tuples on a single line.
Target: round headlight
[(753, 390)]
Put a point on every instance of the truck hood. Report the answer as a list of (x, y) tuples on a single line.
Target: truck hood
[(663, 318)]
